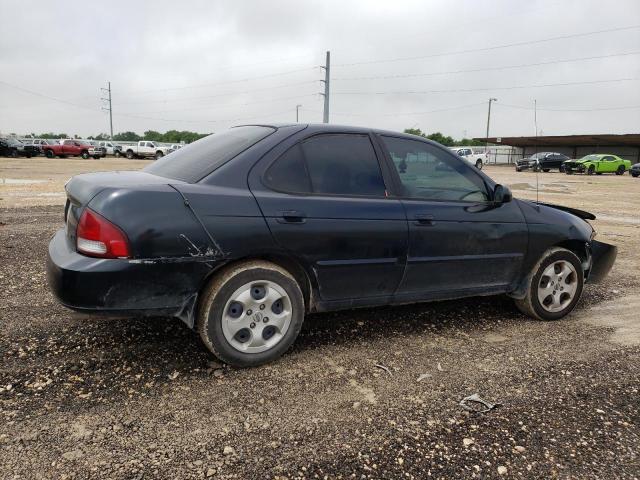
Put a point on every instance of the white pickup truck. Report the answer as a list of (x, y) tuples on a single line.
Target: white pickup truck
[(474, 155), (145, 149)]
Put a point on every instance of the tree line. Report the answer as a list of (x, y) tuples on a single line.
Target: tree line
[(171, 136), (444, 139)]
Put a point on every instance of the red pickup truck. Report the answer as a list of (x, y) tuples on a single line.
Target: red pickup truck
[(73, 148)]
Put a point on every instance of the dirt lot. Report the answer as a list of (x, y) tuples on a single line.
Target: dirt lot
[(83, 397)]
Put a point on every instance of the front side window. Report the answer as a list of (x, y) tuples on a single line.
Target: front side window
[(426, 172), (332, 164)]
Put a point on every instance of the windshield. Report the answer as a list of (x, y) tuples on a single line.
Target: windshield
[(196, 160)]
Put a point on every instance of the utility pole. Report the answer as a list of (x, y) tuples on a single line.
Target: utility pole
[(298, 113), (488, 122), (110, 110), (327, 78)]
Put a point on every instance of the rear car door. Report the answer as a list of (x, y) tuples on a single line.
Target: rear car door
[(459, 239), (324, 198)]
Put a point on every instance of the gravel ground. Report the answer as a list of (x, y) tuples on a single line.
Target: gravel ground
[(84, 397)]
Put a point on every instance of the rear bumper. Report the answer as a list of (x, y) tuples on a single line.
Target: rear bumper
[(121, 286), (603, 257)]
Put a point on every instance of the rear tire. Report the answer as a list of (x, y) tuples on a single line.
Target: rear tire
[(545, 170), (554, 286), (117, 154), (479, 164), (620, 170), (130, 154), (234, 309)]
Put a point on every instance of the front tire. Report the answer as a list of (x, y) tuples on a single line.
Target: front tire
[(479, 164), (85, 155), (554, 286), (159, 155), (250, 314), (49, 154), (117, 154), (591, 170)]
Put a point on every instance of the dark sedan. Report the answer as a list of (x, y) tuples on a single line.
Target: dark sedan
[(544, 161), (242, 233), (11, 147), (634, 171)]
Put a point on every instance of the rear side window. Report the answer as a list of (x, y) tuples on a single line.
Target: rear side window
[(334, 164), (196, 160)]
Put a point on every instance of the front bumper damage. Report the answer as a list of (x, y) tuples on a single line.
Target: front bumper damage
[(600, 258)]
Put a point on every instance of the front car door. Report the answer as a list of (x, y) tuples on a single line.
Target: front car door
[(608, 164), (324, 198), (460, 241)]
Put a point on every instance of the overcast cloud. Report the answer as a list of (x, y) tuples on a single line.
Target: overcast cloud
[(196, 65)]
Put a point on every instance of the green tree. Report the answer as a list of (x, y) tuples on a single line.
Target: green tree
[(127, 137)]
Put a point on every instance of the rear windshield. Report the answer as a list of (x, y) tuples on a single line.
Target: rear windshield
[(196, 160)]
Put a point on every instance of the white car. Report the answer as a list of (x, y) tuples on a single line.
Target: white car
[(474, 155)]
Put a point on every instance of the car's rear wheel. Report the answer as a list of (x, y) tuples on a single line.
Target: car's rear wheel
[(250, 314), (554, 286), (545, 170), (14, 154), (591, 170), (620, 170), (479, 164), (130, 154)]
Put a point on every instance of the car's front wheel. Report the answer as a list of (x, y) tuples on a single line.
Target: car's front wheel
[(250, 314), (479, 164), (591, 170), (554, 286)]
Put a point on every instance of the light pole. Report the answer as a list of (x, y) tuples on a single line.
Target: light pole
[(488, 122), (298, 113)]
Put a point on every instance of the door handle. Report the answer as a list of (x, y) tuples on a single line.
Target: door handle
[(292, 216), (423, 219)]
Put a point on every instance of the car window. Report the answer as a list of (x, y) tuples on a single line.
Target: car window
[(343, 164), (196, 160), (426, 172), (609, 159), (289, 173)]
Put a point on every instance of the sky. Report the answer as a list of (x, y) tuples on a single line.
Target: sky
[(207, 65)]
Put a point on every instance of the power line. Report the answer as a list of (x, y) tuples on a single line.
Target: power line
[(204, 97), (599, 109), (203, 121), (495, 47), (222, 105), (48, 97), (227, 82), (396, 114), (487, 69), (463, 90)]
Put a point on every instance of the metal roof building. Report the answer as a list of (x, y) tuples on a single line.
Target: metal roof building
[(575, 146)]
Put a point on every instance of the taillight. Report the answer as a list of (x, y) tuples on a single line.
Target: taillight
[(98, 237)]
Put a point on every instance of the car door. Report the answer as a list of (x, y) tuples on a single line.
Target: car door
[(324, 198), (460, 241), (608, 164)]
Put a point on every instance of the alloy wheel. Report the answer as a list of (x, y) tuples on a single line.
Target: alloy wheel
[(557, 286)]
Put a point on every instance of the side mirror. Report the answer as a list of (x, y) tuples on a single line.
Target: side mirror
[(502, 194)]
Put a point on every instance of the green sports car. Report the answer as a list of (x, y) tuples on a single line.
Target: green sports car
[(597, 163)]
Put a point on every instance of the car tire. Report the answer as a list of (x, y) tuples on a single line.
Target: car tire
[(634, 175), (591, 170), (159, 155), (568, 172), (545, 170), (49, 154), (130, 154), (84, 155), (518, 169), (250, 293), (620, 170), (96, 157), (479, 164), (554, 286), (117, 154)]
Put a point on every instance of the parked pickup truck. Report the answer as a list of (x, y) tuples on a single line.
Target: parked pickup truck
[(145, 149), (111, 148), (72, 148), (475, 156)]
